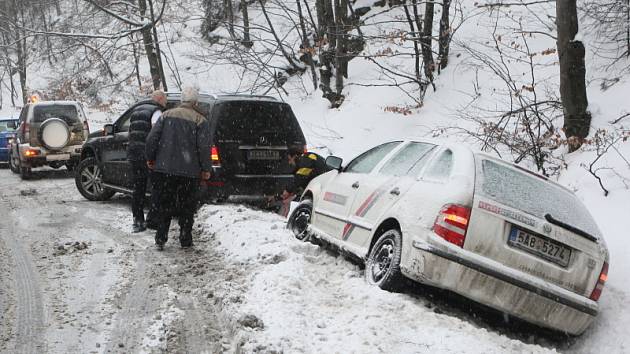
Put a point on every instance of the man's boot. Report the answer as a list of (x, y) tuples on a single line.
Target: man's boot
[(138, 225), (185, 239)]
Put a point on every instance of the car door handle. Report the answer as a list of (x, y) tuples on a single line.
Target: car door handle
[(395, 191), (355, 185)]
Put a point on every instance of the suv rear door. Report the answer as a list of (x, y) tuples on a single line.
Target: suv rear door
[(510, 224), (253, 137), (68, 112)]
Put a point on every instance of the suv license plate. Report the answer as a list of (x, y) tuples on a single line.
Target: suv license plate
[(58, 157), (263, 155), (540, 246)]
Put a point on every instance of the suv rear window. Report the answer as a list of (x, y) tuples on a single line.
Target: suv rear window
[(258, 123), (67, 113), (534, 196)]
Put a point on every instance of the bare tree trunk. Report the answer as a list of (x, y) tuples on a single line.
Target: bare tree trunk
[(427, 40), (577, 118), (230, 17), (147, 38), (416, 49), (21, 49), (247, 42), (306, 46), (445, 35), (158, 52)]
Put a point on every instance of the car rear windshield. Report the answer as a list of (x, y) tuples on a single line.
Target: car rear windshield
[(66, 112), (4, 125), (258, 123), (534, 195)]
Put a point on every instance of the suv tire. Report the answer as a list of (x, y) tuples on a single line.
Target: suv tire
[(87, 178)]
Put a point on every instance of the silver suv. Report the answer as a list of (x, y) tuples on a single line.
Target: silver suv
[(51, 134)]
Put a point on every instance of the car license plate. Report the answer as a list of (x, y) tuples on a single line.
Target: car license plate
[(263, 155), (58, 157), (540, 246)]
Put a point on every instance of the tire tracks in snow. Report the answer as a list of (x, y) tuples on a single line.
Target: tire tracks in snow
[(28, 319)]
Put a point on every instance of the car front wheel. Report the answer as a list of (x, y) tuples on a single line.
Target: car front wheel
[(382, 267), (300, 218), (88, 178)]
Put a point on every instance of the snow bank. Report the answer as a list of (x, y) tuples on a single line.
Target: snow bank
[(311, 300)]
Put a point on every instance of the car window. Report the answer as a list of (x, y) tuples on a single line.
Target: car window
[(122, 124), (66, 112), (440, 168), (4, 126), (408, 158), (366, 162), (533, 195), (258, 123)]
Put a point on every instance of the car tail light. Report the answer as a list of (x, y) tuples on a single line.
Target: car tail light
[(603, 276), (31, 153), (214, 156), (452, 222)]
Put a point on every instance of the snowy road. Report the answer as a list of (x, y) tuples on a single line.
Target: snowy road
[(73, 279)]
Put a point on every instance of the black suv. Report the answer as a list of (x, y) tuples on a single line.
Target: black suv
[(252, 135)]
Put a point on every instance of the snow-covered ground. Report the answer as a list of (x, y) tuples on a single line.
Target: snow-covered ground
[(312, 300)]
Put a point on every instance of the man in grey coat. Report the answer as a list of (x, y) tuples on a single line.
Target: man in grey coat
[(178, 151)]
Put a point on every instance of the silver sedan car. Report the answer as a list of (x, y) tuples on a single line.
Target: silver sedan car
[(443, 215)]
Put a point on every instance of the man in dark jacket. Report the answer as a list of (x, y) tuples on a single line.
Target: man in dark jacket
[(306, 166), (140, 124), (178, 151)]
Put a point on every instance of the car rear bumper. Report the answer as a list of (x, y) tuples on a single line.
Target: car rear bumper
[(45, 157), (245, 188), (499, 287), (4, 154)]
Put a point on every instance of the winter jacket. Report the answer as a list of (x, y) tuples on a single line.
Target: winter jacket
[(180, 142), (307, 167), (139, 128)]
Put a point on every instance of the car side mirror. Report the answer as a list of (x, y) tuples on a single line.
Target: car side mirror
[(12, 124), (334, 162), (108, 129)]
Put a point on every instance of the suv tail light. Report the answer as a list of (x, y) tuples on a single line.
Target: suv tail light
[(452, 222), (603, 276), (214, 156)]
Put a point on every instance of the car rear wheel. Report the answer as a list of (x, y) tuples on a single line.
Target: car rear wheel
[(14, 163), (382, 267), (88, 178), (300, 218)]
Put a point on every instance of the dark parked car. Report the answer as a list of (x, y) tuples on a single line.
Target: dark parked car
[(251, 135), (7, 134)]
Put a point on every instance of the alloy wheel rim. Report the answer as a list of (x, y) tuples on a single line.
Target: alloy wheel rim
[(382, 260), (91, 180), (301, 223)]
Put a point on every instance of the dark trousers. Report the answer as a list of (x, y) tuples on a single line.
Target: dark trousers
[(139, 174), (177, 197)]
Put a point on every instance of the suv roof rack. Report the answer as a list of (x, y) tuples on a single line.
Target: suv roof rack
[(241, 95)]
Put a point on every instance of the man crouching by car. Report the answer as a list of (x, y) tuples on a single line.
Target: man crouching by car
[(178, 151)]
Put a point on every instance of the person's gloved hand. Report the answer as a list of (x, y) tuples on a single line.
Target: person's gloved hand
[(205, 175)]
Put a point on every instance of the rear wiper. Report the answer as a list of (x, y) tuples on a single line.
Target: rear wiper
[(573, 229)]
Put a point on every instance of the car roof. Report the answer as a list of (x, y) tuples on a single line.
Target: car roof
[(43, 103), (207, 97)]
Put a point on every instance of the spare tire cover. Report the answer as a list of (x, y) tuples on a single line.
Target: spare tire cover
[(54, 133)]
